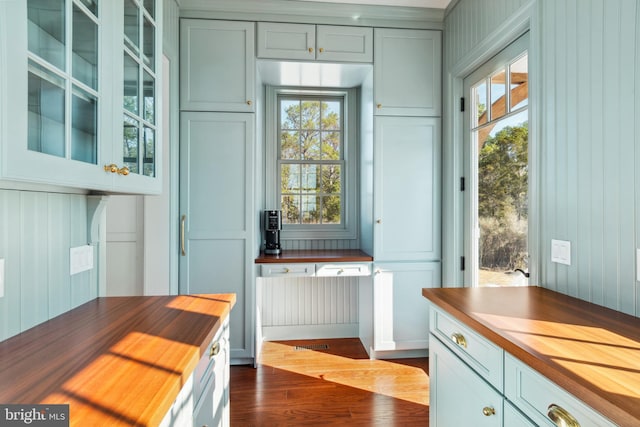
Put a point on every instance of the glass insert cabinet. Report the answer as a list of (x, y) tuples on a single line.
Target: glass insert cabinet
[(78, 93)]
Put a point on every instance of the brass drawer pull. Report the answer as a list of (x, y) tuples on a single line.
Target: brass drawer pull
[(488, 411), (459, 339), (561, 417), (215, 350)]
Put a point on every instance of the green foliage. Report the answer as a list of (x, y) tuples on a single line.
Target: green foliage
[(311, 131), (502, 199)]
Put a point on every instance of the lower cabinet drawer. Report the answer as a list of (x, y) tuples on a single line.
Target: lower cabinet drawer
[(486, 358), (288, 270), (541, 400), (343, 270)]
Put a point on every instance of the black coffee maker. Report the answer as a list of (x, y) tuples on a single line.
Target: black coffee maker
[(272, 227)]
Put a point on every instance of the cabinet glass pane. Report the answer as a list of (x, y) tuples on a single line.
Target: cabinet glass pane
[(92, 5), (130, 146), (149, 97), (46, 26), (84, 126), (131, 84), (149, 168), (149, 44), (46, 116), (85, 48), (131, 25), (149, 6)]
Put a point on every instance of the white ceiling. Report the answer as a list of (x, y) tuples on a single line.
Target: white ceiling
[(437, 4)]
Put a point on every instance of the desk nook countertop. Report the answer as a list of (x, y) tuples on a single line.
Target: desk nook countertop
[(591, 351), (315, 255), (114, 360)]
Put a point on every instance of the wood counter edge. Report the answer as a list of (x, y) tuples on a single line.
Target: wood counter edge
[(573, 384), (299, 256)]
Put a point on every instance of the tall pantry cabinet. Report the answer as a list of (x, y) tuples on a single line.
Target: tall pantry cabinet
[(406, 185), (217, 164)]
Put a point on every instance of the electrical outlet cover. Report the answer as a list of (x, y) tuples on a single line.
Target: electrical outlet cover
[(80, 259), (561, 252)]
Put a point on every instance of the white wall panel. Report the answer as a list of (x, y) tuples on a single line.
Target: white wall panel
[(37, 230), (309, 301), (587, 55)]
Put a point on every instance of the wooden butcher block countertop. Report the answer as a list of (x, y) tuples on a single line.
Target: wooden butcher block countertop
[(114, 360), (591, 351)]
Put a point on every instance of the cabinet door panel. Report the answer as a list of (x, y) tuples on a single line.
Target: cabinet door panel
[(216, 199), (407, 189), (217, 65), (401, 319), (286, 41), (346, 44), (458, 397), (407, 72)]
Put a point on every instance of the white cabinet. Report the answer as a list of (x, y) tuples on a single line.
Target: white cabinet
[(217, 65), (407, 72), (338, 269), (211, 383), (400, 316), (470, 374), (315, 42), (543, 401), (457, 396), (407, 189), (217, 196), (288, 270), (63, 85)]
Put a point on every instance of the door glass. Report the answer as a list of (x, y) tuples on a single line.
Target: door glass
[(85, 49), (46, 23), (84, 126), (500, 143)]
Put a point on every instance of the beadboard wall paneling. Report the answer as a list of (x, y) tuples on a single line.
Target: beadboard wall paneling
[(586, 54), (471, 22), (37, 230), (309, 301), (590, 96), (320, 244)]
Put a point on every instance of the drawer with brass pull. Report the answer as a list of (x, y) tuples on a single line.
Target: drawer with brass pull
[(343, 270), (543, 401), (484, 357), (288, 270)]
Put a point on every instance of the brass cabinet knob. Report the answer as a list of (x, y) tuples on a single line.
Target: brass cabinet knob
[(321, 50), (561, 417), (215, 350), (124, 171), (310, 50), (459, 339), (113, 168), (378, 221), (379, 106), (249, 102), (488, 411)]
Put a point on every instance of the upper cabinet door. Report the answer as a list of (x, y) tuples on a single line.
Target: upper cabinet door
[(286, 41), (217, 65), (344, 44), (407, 72)]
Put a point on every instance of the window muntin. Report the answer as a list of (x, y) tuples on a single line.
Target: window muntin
[(311, 160)]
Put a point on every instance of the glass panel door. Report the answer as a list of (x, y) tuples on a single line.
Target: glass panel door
[(497, 147)]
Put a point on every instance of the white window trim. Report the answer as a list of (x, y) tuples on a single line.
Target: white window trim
[(348, 230)]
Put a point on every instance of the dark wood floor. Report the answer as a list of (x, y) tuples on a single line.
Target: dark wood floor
[(335, 386)]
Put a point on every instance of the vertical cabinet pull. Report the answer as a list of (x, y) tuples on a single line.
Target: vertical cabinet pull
[(182, 221)]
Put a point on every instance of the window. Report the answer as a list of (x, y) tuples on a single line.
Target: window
[(313, 146)]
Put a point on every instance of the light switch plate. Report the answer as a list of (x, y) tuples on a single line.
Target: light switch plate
[(80, 259), (1, 278), (561, 252)]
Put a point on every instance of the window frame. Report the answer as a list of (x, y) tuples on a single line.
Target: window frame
[(348, 229)]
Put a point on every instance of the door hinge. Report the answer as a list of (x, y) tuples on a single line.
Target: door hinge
[(462, 263), (462, 104), (462, 183)]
